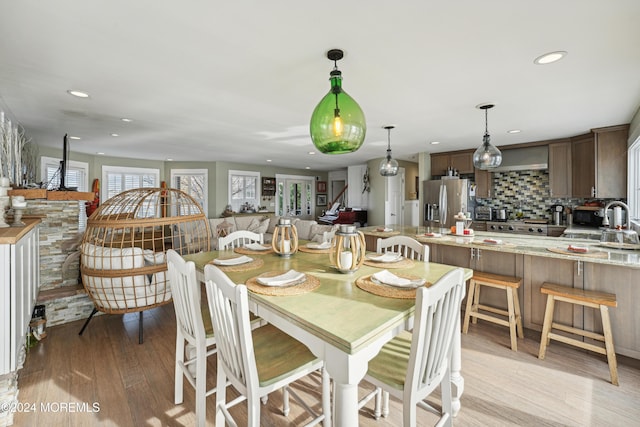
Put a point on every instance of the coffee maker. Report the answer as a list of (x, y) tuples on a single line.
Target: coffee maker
[(556, 212)]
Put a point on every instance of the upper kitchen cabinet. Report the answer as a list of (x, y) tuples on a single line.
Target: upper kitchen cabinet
[(560, 171), (599, 163), (483, 180), (461, 161)]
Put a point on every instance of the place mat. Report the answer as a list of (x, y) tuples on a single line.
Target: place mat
[(590, 254), (503, 244), (366, 284), (310, 284), (314, 251), (403, 263), (256, 263), (245, 251)]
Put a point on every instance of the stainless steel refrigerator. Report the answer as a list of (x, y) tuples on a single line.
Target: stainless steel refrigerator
[(443, 199)]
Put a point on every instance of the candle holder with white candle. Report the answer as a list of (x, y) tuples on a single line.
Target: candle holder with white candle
[(285, 238), (348, 249), (19, 205), (4, 202)]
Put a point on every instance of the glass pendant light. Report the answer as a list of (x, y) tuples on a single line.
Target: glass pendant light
[(337, 124), (388, 166), (487, 156)]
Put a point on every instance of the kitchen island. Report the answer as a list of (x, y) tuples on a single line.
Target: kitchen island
[(539, 259)]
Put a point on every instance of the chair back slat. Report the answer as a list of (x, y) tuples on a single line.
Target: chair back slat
[(437, 308), (407, 246), (185, 289), (229, 307), (239, 238)]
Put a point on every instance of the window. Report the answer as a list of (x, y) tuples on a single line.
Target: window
[(633, 181), (243, 189), (77, 176), (118, 179), (193, 182)]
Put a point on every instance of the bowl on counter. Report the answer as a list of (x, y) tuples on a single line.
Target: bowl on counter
[(620, 239)]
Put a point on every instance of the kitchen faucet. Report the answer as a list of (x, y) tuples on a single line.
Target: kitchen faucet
[(605, 219)]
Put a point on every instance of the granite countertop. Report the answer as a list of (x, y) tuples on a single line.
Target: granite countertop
[(531, 245)]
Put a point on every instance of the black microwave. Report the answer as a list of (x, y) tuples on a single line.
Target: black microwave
[(590, 216)]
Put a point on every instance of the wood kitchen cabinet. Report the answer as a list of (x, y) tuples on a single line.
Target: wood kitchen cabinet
[(461, 161), (560, 182), (483, 180), (599, 163)]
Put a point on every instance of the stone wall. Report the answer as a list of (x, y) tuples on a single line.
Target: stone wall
[(58, 232)]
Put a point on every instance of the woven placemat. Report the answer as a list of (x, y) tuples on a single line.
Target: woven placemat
[(590, 254), (366, 284), (256, 263), (403, 263), (308, 285), (314, 251), (245, 251)]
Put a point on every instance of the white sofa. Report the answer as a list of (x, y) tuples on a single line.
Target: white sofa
[(307, 229)]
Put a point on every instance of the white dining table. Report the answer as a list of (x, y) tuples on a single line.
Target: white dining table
[(340, 323)]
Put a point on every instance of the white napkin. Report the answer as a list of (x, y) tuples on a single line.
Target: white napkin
[(386, 257), (324, 245), (288, 278), (233, 261), (384, 229), (387, 278), (256, 247)]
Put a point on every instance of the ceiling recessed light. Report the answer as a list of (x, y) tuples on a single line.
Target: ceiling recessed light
[(169, 160), (78, 93), (114, 134), (268, 160), (514, 131), (307, 167), (550, 57), (100, 153), (434, 142), (124, 119), (74, 137), (312, 152)]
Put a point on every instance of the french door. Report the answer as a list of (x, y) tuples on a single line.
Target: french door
[(295, 196)]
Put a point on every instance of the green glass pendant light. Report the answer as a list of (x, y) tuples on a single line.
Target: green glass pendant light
[(337, 124)]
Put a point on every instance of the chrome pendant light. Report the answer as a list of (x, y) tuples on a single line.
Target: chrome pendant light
[(337, 124), (487, 156), (388, 166)]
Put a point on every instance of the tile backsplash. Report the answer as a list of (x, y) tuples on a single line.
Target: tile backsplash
[(528, 189)]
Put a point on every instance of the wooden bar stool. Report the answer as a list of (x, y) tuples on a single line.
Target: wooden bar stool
[(598, 300), (510, 285)]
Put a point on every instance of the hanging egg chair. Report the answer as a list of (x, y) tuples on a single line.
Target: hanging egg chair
[(123, 248)]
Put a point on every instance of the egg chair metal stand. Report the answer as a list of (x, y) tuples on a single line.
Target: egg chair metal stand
[(123, 251)]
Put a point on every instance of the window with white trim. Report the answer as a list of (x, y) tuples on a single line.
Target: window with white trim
[(194, 183), (77, 175), (633, 180), (116, 179), (243, 189)]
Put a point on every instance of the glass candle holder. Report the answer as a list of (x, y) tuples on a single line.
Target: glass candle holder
[(348, 249), (285, 238)]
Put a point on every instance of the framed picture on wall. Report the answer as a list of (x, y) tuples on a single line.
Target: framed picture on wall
[(321, 199), (321, 187)]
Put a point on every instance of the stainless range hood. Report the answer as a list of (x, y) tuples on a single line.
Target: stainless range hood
[(527, 158)]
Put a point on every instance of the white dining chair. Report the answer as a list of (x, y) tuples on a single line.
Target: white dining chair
[(239, 238), (256, 362), (405, 245), (194, 335), (412, 365)]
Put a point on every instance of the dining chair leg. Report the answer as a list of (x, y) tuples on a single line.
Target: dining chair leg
[(285, 401), (326, 397), (201, 385), (179, 379), (385, 404), (221, 396), (446, 397)]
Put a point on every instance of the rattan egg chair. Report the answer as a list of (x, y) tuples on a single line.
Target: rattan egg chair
[(122, 254)]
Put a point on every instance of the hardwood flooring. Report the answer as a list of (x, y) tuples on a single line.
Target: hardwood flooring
[(132, 384)]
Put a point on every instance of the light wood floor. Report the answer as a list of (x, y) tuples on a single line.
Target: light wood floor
[(133, 384)]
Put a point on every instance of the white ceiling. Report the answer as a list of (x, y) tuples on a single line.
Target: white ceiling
[(238, 80)]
